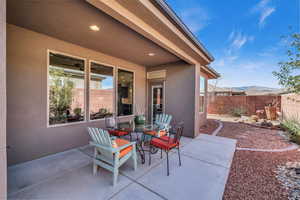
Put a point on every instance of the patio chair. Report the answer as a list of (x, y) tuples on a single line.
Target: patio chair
[(167, 143), (109, 155), (111, 125), (162, 124)]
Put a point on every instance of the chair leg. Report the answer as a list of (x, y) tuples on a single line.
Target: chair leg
[(179, 155), (150, 154), (167, 162), (95, 169), (160, 153), (95, 166), (130, 137), (115, 178), (134, 158)]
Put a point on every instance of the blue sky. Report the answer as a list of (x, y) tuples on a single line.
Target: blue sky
[(244, 36)]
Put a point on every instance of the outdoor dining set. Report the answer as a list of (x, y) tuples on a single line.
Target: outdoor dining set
[(112, 149)]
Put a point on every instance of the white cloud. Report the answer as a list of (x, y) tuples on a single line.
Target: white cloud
[(264, 10), (266, 13), (238, 39), (195, 18)]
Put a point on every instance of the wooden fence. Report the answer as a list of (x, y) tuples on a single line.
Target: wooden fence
[(226, 104), (290, 106)]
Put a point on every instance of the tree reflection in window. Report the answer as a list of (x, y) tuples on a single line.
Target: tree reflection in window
[(66, 89)]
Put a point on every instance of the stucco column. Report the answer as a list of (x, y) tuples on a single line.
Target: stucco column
[(3, 166), (197, 96)]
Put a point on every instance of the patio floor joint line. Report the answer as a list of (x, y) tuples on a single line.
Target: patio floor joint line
[(192, 157)]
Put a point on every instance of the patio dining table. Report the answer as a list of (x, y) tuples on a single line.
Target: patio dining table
[(142, 133)]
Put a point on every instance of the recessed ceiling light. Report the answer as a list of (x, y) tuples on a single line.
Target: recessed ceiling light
[(151, 54), (94, 28)]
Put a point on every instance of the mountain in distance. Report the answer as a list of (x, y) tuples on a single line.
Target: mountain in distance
[(250, 90)]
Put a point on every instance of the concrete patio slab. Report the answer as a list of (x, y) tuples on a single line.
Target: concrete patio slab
[(203, 175), (210, 152), (193, 180), (138, 192), (217, 139), (127, 167), (22, 175), (75, 184)]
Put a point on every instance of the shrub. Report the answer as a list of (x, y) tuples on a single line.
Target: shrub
[(292, 126), (238, 111)]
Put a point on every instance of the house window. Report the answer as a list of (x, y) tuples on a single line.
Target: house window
[(202, 93), (66, 89), (101, 91), (125, 92)]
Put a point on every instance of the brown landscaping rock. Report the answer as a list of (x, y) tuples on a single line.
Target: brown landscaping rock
[(209, 126), (254, 118), (256, 175), (251, 136), (253, 176)]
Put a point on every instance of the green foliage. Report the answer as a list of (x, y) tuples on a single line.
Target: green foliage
[(293, 128), (238, 111), (60, 96), (77, 111), (288, 74)]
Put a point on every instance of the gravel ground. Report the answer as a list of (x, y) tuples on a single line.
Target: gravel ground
[(253, 174), (253, 137), (209, 127)]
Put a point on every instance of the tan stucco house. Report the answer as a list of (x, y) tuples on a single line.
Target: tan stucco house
[(123, 57)]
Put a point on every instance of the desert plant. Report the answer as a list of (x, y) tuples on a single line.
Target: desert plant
[(238, 111), (60, 95), (292, 126)]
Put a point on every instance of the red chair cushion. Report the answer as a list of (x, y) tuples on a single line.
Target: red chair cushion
[(164, 143), (154, 133), (118, 132)]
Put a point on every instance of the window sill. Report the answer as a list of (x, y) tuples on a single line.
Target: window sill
[(66, 124)]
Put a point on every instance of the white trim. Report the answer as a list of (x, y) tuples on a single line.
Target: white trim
[(125, 116), (204, 94), (134, 90), (85, 76), (114, 88)]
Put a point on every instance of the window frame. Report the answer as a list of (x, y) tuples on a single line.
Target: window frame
[(204, 93), (114, 88), (87, 76), (133, 98), (48, 91)]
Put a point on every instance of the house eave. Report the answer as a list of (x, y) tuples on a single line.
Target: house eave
[(168, 10)]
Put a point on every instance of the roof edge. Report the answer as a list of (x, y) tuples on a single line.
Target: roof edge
[(212, 70), (169, 11)]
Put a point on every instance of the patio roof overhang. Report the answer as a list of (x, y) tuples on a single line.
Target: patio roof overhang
[(155, 20), (70, 20), (130, 30)]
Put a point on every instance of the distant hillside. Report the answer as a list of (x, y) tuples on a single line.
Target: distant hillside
[(250, 90)]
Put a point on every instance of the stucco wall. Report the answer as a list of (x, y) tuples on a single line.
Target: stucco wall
[(180, 94), (290, 106), (2, 100), (27, 132)]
